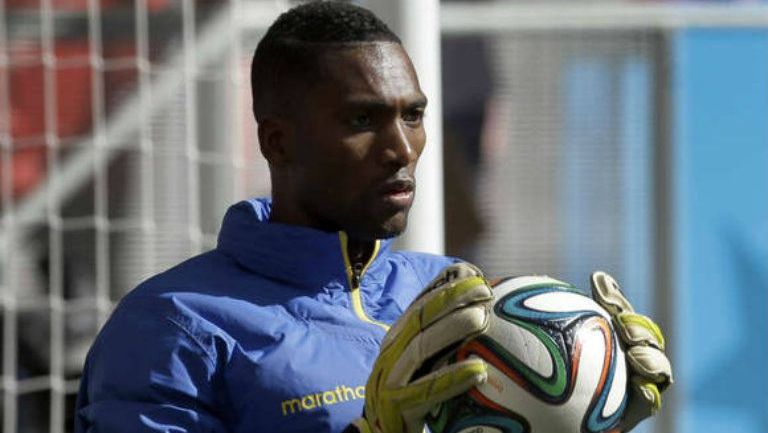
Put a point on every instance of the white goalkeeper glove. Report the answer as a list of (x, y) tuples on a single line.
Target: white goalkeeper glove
[(451, 309), (650, 372)]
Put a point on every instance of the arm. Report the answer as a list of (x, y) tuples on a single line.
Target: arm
[(148, 373)]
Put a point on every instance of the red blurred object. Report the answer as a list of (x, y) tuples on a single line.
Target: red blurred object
[(73, 89)]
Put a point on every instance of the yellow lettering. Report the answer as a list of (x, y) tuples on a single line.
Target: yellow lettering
[(332, 396), (347, 392), (293, 405), (310, 405), (338, 393)]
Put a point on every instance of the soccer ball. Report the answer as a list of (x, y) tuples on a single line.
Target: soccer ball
[(554, 365)]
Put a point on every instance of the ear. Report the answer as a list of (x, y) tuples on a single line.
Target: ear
[(275, 141)]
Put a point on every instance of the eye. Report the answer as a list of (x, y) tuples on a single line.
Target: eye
[(361, 120), (414, 117)]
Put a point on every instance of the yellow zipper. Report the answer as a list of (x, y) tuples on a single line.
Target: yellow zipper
[(354, 277)]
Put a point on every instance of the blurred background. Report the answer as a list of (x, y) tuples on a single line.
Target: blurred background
[(627, 136)]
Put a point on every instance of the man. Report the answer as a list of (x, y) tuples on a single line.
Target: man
[(281, 328)]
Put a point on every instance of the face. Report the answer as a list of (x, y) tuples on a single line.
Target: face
[(357, 137)]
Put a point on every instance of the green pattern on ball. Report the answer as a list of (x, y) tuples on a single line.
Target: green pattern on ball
[(554, 385)]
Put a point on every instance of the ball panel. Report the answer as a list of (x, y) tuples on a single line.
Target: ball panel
[(514, 305), (600, 416), (522, 343), (505, 286), (593, 371), (508, 395), (551, 389), (570, 302), (617, 393)]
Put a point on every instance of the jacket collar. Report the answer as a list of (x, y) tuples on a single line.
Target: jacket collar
[(297, 255)]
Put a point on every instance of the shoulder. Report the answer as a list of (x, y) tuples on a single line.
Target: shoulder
[(399, 277), (157, 323), (424, 265), (169, 310), (207, 302), (196, 272), (151, 353)]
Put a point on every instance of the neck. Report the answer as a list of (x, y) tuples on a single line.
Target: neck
[(283, 213), (359, 251)]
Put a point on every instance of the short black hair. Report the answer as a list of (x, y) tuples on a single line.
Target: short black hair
[(286, 57)]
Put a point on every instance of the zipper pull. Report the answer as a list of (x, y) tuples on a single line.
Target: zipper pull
[(357, 273)]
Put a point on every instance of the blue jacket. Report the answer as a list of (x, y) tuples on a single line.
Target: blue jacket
[(266, 333)]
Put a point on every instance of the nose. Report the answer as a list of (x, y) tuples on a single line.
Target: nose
[(402, 145)]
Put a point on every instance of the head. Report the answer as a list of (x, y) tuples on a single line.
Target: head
[(339, 110)]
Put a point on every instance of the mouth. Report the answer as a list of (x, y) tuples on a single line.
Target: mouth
[(398, 193)]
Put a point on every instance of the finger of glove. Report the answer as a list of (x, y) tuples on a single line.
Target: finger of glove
[(450, 274), (439, 302), (450, 330), (650, 365), (650, 393), (637, 330), (420, 396), (412, 402), (607, 293)]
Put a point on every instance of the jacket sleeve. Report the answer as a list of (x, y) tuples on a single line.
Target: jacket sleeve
[(149, 372)]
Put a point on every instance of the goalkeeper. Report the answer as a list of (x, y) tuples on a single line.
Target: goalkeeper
[(282, 327)]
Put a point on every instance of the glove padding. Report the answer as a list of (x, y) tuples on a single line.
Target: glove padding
[(650, 372), (453, 308)]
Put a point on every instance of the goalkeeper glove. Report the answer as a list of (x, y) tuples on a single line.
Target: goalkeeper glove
[(650, 372), (451, 309)]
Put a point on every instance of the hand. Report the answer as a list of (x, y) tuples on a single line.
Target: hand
[(451, 309), (650, 372)]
